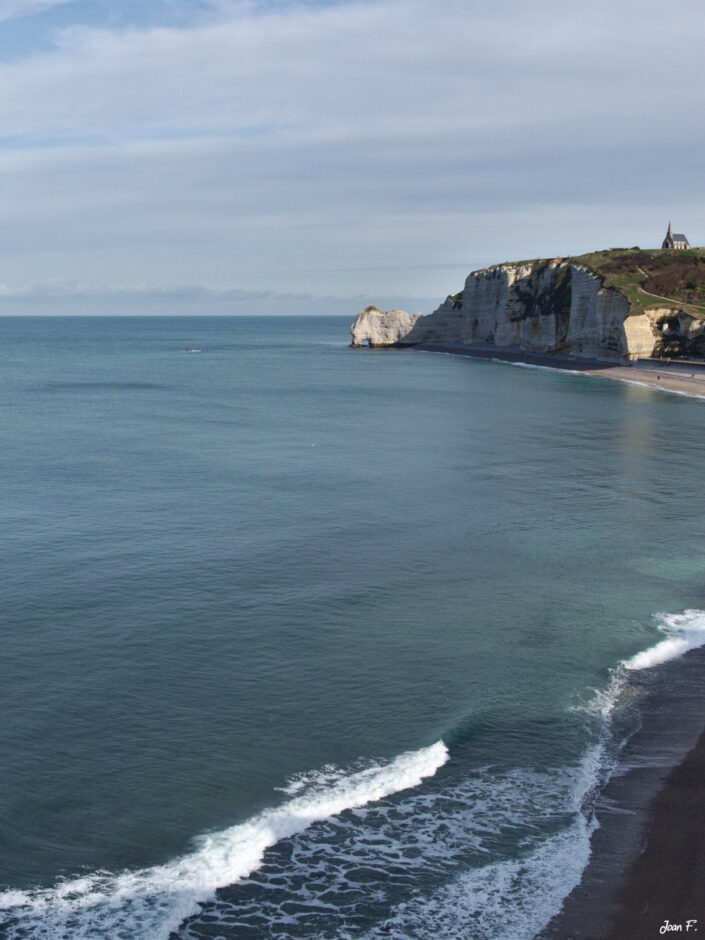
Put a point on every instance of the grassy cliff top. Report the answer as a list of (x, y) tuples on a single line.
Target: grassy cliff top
[(652, 277), (648, 278)]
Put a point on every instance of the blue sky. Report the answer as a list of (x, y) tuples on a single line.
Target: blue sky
[(215, 156)]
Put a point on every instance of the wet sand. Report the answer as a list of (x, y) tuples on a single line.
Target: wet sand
[(647, 861), (666, 883), (667, 379)]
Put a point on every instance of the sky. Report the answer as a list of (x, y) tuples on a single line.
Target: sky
[(311, 157)]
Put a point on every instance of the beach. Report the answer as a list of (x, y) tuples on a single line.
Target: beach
[(669, 378), (647, 859), (666, 380), (664, 885)]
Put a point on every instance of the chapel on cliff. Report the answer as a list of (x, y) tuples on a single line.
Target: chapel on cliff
[(674, 241)]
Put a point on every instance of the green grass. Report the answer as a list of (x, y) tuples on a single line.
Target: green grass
[(648, 278), (631, 271)]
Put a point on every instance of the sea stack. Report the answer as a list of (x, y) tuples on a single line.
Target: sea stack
[(375, 327)]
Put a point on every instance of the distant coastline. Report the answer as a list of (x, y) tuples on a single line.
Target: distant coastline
[(616, 306)]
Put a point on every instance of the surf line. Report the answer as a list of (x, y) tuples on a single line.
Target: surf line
[(153, 902)]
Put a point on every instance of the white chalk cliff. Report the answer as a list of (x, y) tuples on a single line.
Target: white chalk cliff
[(539, 307)]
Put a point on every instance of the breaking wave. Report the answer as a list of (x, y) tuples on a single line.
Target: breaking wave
[(684, 632), (489, 853), (150, 903), (394, 868)]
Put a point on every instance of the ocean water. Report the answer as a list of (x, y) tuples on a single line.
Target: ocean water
[(300, 641)]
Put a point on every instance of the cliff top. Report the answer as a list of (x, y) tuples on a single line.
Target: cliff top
[(649, 278)]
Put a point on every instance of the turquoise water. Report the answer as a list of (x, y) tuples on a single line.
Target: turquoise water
[(304, 641)]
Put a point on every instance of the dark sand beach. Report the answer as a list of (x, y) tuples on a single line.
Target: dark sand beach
[(665, 885), (647, 862)]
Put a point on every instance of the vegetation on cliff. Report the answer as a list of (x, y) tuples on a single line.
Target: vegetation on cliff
[(667, 285), (652, 278), (648, 278)]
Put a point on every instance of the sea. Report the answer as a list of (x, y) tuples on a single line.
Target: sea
[(302, 641)]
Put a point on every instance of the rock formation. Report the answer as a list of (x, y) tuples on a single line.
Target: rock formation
[(375, 327), (555, 307)]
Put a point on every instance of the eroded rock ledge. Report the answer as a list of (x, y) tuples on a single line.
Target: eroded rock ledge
[(549, 307)]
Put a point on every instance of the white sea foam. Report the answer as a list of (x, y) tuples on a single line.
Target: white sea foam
[(661, 388), (456, 839), (152, 902), (505, 362), (520, 837), (427, 836), (514, 898), (508, 900), (603, 701), (684, 632), (532, 365), (641, 384)]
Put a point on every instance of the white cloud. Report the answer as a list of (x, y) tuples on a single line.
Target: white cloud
[(84, 299), (290, 147), (12, 8), (384, 69)]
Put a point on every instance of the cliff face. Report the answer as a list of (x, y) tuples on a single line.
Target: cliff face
[(542, 307)]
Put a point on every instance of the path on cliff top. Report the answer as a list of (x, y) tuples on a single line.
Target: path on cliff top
[(699, 311)]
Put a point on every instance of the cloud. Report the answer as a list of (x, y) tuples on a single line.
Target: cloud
[(16, 8), (189, 293), (319, 148), (85, 299), (385, 69)]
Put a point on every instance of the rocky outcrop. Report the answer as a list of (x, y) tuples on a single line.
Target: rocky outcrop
[(540, 307), (375, 327)]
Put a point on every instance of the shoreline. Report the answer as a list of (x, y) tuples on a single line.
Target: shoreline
[(647, 858), (665, 883), (646, 870), (679, 382)]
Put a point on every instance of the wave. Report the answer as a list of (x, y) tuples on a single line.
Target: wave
[(684, 631), (541, 368), (432, 864), (505, 362), (443, 850), (514, 898), (509, 900), (151, 903), (663, 388)]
